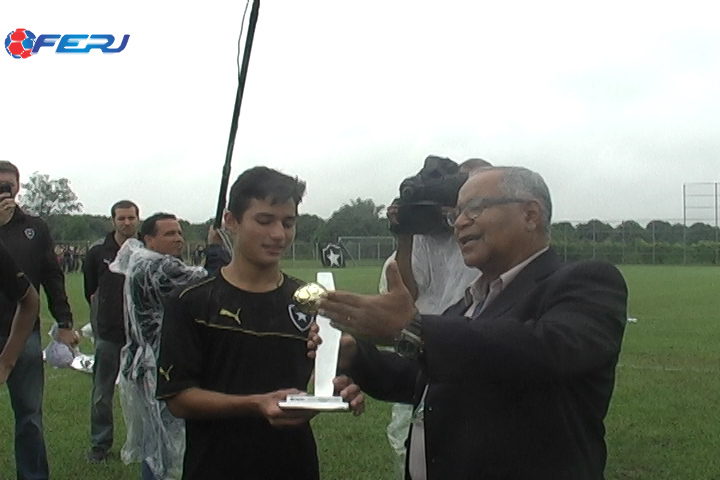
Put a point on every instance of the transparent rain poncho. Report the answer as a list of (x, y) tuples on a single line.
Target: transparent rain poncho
[(154, 435)]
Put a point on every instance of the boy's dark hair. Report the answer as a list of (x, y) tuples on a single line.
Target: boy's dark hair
[(263, 183), (9, 167), (149, 226), (124, 204)]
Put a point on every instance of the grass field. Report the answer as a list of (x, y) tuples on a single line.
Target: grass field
[(663, 423)]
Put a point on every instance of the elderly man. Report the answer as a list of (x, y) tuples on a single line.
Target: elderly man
[(515, 380)]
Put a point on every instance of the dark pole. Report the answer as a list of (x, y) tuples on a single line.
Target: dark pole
[(222, 196)]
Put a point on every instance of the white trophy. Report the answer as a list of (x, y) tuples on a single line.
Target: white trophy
[(326, 358)]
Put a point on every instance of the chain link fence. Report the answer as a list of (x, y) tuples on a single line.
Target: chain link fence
[(655, 242)]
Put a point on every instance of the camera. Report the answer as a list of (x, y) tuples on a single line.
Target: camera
[(422, 197), (6, 187)]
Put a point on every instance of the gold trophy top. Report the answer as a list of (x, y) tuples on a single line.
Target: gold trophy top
[(308, 296)]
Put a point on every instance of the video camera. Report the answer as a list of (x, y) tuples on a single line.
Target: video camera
[(422, 197)]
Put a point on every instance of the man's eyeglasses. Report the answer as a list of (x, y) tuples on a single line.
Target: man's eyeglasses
[(476, 206)]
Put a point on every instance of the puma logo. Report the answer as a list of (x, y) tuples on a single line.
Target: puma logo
[(234, 316), (166, 373)]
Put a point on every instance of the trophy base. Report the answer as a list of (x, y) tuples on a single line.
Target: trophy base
[(309, 402)]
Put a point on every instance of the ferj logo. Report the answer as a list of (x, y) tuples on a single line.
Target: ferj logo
[(22, 43)]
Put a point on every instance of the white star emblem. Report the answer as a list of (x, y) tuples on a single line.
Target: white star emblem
[(301, 320), (333, 257)]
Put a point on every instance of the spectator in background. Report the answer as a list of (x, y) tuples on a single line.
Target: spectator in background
[(28, 240), (155, 438), (433, 270), (104, 293)]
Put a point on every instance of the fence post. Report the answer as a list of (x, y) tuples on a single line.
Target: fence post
[(653, 243), (594, 240)]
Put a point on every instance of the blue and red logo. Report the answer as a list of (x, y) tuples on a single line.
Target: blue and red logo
[(22, 43), (19, 43)]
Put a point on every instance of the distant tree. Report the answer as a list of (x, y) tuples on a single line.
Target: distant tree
[(698, 232), (629, 231), (661, 231), (358, 218), (75, 228), (594, 231), (45, 197), (307, 227), (562, 231)]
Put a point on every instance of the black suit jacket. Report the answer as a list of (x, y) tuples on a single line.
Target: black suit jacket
[(521, 392)]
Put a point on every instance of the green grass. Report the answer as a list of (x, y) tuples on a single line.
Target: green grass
[(663, 422)]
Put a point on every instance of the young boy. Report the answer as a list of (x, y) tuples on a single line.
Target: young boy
[(234, 346)]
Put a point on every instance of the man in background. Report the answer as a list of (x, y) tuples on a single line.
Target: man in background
[(433, 271), (28, 240), (155, 438), (104, 291)]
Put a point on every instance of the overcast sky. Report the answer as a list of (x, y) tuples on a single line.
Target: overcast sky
[(615, 103)]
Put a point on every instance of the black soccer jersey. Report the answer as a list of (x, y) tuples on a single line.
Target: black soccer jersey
[(13, 282), (220, 338)]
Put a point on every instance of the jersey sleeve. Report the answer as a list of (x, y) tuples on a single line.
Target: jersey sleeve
[(180, 360), (13, 282)]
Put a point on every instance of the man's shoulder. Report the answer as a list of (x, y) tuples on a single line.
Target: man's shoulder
[(592, 271), (27, 220), (99, 244), (589, 266)]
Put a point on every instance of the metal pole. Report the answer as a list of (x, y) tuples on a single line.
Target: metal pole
[(242, 77), (717, 251), (653, 243), (684, 226)]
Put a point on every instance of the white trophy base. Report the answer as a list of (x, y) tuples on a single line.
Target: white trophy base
[(310, 402)]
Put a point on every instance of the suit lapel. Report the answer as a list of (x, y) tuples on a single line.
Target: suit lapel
[(528, 277)]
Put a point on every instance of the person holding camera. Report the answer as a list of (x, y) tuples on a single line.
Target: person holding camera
[(28, 240), (431, 264)]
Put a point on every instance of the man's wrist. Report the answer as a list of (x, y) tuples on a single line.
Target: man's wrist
[(409, 343)]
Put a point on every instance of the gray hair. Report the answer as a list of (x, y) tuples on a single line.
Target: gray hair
[(519, 182)]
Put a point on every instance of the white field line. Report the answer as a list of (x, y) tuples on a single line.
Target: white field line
[(660, 368)]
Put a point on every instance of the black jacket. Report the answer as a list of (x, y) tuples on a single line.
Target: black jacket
[(108, 287), (28, 240), (520, 392)]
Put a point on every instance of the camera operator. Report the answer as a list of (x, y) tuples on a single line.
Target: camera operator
[(428, 257), (28, 240)]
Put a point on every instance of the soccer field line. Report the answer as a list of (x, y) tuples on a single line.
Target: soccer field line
[(660, 368)]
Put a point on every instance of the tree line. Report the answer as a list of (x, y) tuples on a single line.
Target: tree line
[(55, 201)]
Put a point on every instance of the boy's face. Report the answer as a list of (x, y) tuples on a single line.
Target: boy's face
[(264, 232)]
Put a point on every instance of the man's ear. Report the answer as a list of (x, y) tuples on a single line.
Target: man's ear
[(533, 215)]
